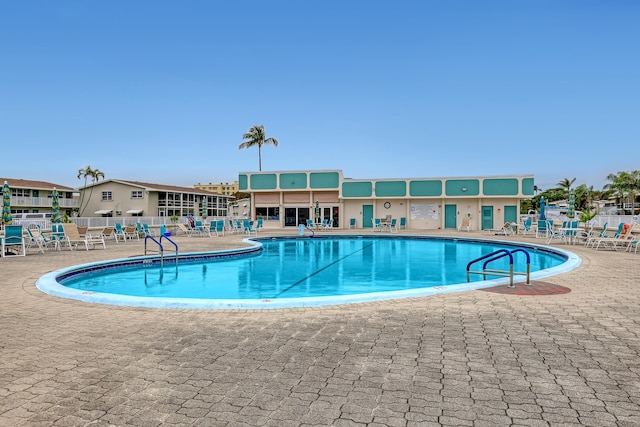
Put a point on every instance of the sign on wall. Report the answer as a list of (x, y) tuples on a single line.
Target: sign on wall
[(425, 211)]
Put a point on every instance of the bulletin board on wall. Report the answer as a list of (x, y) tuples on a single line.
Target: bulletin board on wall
[(425, 211)]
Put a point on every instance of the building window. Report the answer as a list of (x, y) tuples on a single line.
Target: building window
[(107, 196), (20, 192), (136, 194), (268, 213)]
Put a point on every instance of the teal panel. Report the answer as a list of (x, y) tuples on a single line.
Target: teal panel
[(293, 181), (324, 180), (511, 214), (462, 187), (450, 216), (425, 188), (500, 187), (527, 187), (263, 182), (391, 189), (242, 182), (356, 189)]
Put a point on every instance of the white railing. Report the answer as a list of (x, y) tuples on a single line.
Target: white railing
[(42, 202), (100, 222), (614, 220), (153, 221)]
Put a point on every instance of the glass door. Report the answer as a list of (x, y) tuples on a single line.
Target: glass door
[(295, 216)]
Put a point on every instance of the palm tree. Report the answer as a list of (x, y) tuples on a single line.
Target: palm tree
[(256, 136), (623, 184), (566, 183), (95, 175)]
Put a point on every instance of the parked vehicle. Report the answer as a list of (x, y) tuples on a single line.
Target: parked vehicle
[(30, 220)]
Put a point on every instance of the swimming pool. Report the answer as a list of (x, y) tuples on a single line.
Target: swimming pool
[(287, 272)]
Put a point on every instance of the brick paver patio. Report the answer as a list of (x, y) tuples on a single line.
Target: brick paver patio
[(474, 358)]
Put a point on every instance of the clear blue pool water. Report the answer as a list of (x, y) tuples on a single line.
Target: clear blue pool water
[(306, 269)]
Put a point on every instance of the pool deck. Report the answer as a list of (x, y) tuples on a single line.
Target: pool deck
[(476, 358)]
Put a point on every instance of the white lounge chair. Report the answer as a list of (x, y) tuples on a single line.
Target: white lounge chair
[(465, 224), (74, 238)]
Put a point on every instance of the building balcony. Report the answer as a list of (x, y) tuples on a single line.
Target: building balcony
[(42, 202)]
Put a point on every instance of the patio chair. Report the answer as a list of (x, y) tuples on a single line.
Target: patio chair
[(147, 231), (46, 240), (328, 225), (32, 240), (544, 229), (310, 224), (591, 240), (558, 233), (131, 232), (219, 227), (249, 228), (259, 224), (621, 237), (526, 227), (201, 229), (633, 244), (352, 223), (377, 224), (507, 229), (182, 228), (74, 238), (140, 230), (393, 226), (13, 239), (109, 233), (57, 234), (465, 224), (119, 232), (584, 235), (403, 223)]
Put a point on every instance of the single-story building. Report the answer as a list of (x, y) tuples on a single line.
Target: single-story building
[(289, 198)]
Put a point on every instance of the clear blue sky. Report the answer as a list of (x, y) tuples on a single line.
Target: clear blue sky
[(162, 91)]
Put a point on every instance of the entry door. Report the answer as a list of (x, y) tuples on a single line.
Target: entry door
[(295, 216), (487, 217), (450, 214), (367, 215)]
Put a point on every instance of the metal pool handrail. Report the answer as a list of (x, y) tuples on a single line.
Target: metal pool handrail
[(501, 253), (160, 247)]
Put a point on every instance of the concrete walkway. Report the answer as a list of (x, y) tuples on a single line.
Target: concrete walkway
[(474, 358)]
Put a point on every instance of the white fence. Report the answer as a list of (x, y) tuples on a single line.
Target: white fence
[(614, 220), (100, 222)]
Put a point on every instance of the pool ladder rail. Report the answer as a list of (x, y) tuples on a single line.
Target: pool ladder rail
[(160, 248), (493, 256)]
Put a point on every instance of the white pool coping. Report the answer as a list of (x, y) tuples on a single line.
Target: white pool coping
[(48, 284)]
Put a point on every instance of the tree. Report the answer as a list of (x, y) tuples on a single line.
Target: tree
[(86, 173), (625, 185), (584, 197), (566, 183), (256, 136)]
